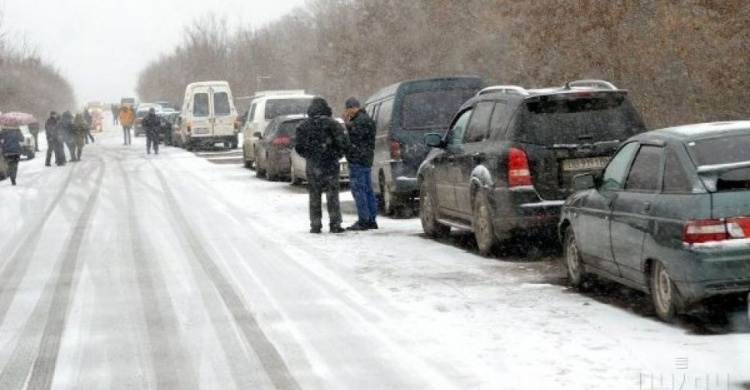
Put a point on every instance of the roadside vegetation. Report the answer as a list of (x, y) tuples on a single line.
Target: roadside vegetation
[(683, 61), (27, 82)]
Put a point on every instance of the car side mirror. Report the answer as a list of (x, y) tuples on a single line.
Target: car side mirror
[(433, 140), (258, 135), (584, 182)]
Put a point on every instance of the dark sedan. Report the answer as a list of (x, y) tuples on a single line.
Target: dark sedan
[(274, 147), (670, 215)]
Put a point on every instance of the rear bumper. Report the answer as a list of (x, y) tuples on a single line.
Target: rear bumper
[(522, 209), (211, 139), (713, 270), (403, 179)]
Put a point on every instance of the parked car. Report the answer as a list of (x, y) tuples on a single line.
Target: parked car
[(168, 119), (209, 115), (28, 146), (264, 107), (274, 147), (298, 171), (507, 163), (403, 114), (177, 138), (669, 216)]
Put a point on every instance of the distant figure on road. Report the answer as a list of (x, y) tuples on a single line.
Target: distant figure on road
[(34, 130), (68, 134), (126, 119), (361, 130), (10, 141), (89, 122), (54, 140), (152, 125), (80, 127), (322, 142), (115, 114)]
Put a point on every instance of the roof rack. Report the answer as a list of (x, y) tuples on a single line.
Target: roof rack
[(504, 89), (589, 84)]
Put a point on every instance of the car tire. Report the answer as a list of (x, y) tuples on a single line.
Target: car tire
[(392, 204), (663, 292), (574, 267), (484, 231), (428, 214), (259, 171)]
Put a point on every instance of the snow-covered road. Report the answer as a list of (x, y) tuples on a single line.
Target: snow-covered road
[(183, 271)]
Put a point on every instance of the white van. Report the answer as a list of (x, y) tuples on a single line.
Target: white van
[(262, 109), (208, 115)]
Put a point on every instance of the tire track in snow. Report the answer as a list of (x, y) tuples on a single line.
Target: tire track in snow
[(272, 361), (35, 355), (172, 364), (17, 265)]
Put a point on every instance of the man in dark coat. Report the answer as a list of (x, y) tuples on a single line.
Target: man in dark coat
[(34, 130), (54, 141), (10, 142), (68, 134), (89, 122), (152, 125), (361, 130), (322, 142)]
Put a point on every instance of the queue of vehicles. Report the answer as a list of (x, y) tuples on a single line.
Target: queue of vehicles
[(665, 212)]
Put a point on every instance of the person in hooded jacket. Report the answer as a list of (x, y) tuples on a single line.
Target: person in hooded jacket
[(10, 142), (67, 132), (80, 127), (54, 144), (322, 142), (152, 125)]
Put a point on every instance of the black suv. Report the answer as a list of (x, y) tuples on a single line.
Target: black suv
[(507, 162)]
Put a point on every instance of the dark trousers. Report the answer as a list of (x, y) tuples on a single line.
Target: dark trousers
[(71, 144), (36, 141), (125, 135), (364, 196), (152, 140), (12, 161), (324, 182), (88, 136), (56, 147), (80, 142)]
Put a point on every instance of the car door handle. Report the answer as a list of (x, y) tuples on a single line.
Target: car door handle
[(647, 208)]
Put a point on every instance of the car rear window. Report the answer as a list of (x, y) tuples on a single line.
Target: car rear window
[(433, 109), (725, 150), (280, 107), (288, 128), (576, 119), (221, 104), (201, 108)]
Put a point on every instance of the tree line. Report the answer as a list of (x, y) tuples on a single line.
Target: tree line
[(683, 61), (28, 83)]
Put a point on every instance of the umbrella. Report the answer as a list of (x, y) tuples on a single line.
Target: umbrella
[(16, 119)]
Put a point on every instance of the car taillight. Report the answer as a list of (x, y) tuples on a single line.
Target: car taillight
[(518, 168), (710, 230), (395, 148), (282, 141)]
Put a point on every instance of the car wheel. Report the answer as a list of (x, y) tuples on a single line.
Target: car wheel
[(663, 292), (428, 215), (484, 231), (259, 171), (393, 204), (573, 262)]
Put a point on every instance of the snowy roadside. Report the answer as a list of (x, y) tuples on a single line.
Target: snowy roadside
[(502, 317)]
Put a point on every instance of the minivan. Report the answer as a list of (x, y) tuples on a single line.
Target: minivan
[(209, 115), (403, 114), (507, 163), (264, 107)]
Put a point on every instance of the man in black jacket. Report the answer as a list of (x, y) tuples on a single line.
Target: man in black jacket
[(152, 125), (361, 130), (54, 140), (322, 142)]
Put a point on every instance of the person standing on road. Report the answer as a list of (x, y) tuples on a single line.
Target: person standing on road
[(68, 134), (152, 125), (322, 142), (361, 130), (10, 142), (115, 114), (80, 128), (34, 130), (89, 122), (126, 120), (51, 130)]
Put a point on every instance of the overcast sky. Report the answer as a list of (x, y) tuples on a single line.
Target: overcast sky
[(101, 45)]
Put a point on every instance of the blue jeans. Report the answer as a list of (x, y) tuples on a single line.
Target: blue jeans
[(364, 196)]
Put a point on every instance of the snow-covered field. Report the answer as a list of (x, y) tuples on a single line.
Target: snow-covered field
[(186, 271)]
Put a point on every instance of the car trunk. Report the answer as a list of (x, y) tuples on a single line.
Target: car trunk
[(570, 134), (724, 168)]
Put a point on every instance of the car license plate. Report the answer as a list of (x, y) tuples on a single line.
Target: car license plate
[(201, 131), (584, 164)]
